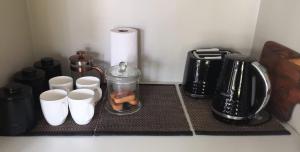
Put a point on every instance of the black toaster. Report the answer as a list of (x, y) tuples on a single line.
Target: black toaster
[(202, 71)]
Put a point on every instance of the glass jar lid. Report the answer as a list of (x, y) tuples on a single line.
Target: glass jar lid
[(123, 73)]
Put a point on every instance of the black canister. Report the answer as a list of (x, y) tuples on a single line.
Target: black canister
[(51, 67), (16, 109), (35, 78)]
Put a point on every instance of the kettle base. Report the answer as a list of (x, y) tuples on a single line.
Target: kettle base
[(259, 119), (231, 121)]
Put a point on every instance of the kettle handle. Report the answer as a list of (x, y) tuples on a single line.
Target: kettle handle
[(263, 73), (101, 73)]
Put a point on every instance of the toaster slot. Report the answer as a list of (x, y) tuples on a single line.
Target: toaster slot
[(207, 54)]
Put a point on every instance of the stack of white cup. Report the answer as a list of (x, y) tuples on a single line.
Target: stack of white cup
[(61, 97)]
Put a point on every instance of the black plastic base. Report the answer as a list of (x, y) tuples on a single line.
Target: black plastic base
[(259, 119)]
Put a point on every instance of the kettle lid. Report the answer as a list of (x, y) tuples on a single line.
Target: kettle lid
[(238, 57)]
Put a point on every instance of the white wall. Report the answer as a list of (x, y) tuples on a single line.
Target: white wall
[(15, 40), (169, 28), (279, 21)]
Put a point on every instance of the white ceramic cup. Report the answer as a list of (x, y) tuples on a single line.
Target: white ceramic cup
[(61, 82), (54, 105), (82, 105), (90, 82)]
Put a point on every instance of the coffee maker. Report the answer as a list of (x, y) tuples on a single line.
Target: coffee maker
[(82, 64)]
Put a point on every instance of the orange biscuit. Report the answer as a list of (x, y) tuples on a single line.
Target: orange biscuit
[(124, 99), (121, 94), (295, 61), (133, 102), (117, 107)]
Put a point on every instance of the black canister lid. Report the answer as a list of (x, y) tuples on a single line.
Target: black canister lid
[(29, 74), (47, 61), (12, 89), (14, 92)]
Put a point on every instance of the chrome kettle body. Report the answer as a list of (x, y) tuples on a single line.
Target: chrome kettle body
[(243, 89)]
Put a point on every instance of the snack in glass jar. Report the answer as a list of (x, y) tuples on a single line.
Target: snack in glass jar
[(123, 89)]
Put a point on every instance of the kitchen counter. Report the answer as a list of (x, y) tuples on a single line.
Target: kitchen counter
[(276, 143), (289, 143)]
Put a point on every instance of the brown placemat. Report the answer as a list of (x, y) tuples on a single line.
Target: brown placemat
[(204, 122), (161, 114)]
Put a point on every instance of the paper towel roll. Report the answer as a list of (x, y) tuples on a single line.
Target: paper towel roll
[(124, 46)]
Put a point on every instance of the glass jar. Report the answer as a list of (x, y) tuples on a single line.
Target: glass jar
[(123, 89)]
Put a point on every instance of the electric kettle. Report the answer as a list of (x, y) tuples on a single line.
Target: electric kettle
[(242, 91)]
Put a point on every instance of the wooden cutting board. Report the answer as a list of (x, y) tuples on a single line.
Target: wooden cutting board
[(283, 65)]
